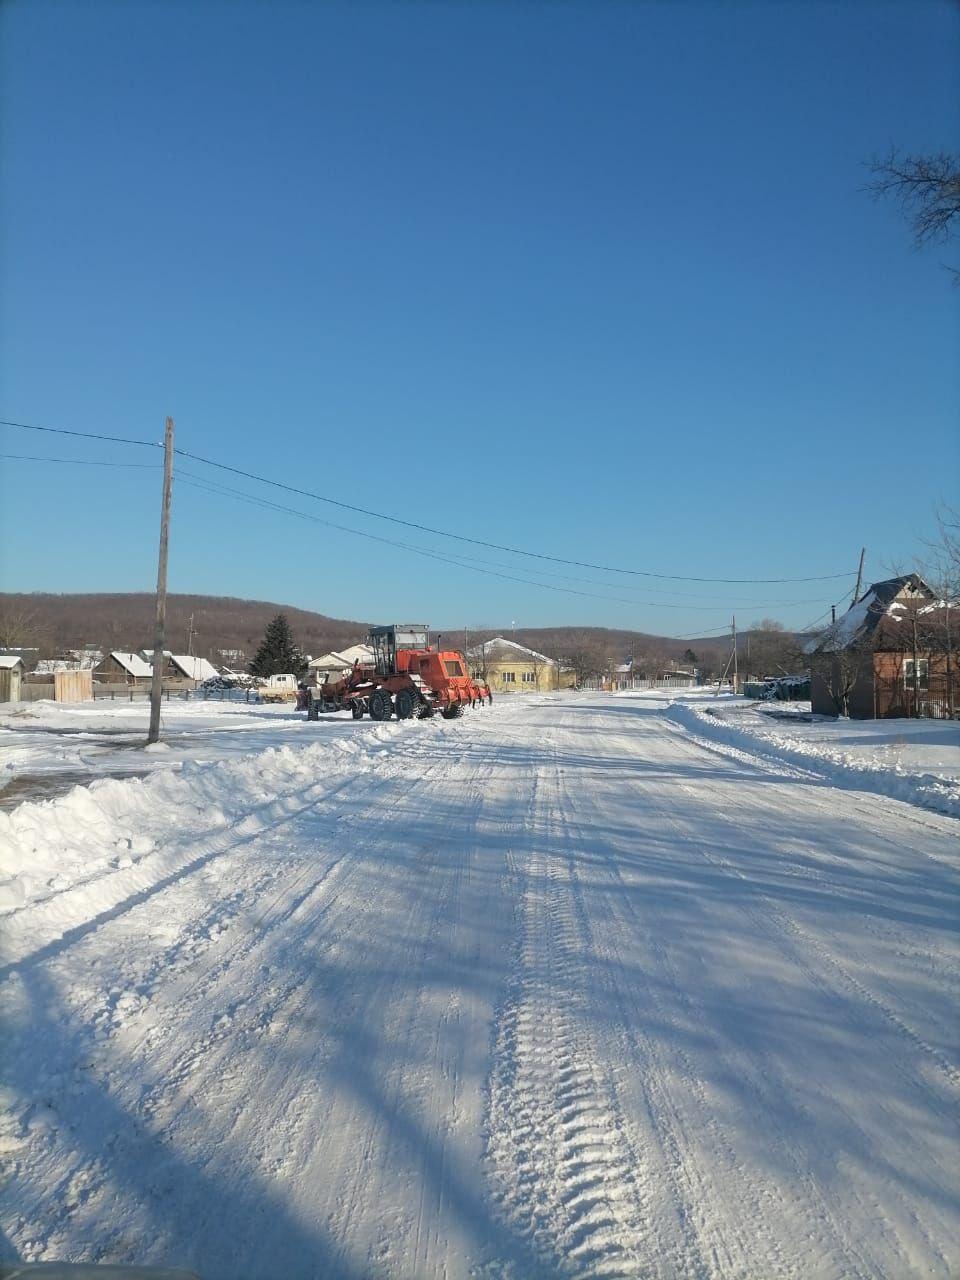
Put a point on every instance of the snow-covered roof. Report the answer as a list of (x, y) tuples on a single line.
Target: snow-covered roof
[(50, 666), (132, 663), (192, 667), (9, 660), (83, 658), (342, 657), (502, 649), (886, 602)]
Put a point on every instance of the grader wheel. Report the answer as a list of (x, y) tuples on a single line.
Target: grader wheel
[(406, 704), (381, 705), (454, 711)]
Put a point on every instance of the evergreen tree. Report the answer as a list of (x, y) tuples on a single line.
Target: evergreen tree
[(278, 653)]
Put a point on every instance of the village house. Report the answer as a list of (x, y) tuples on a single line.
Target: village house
[(123, 668), (68, 660), (337, 663), (892, 654), (509, 667), (183, 670)]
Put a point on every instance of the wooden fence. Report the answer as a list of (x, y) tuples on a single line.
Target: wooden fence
[(73, 686)]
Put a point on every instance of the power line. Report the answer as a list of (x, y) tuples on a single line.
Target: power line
[(81, 462), (220, 490), (725, 631), (423, 528), (498, 546), (81, 435)]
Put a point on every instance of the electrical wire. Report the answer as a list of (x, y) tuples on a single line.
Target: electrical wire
[(82, 435), (83, 462), (226, 491), (423, 528), (470, 562), (499, 546)]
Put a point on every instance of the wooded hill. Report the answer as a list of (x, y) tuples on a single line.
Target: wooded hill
[(125, 621), (54, 623)]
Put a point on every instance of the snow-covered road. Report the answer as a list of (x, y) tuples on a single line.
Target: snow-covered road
[(560, 988)]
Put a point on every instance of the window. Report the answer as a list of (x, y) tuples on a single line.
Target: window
[(528, 677), (453, 667), (508, 677), (922, 666)]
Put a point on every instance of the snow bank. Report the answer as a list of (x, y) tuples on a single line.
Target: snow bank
[(65, 861), (864, 768)]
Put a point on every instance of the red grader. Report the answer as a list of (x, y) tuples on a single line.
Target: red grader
[(408, 678)]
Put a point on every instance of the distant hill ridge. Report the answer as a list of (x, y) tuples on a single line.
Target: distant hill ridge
[(124, 620)]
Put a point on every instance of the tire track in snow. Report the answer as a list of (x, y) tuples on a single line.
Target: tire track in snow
[(776, 925), (717, 1243), (561, 1171), (238, 1020), (689, 1240), (251, 940), (779, 926), (783, 923)]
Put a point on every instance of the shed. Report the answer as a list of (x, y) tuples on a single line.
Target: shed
[(124, 668), (11, 673), (192, 668)]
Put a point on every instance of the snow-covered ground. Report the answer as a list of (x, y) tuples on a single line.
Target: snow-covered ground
[(575, 985), (48, 747), (914, 760)]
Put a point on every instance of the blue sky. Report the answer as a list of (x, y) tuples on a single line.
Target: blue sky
[(594, 280)]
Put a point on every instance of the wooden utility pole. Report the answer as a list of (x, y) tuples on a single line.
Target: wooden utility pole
[(159, 631), (856, 590), (736, 670)]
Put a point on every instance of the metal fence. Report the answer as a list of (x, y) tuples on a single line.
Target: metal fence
[(141, 693), (937, 698)]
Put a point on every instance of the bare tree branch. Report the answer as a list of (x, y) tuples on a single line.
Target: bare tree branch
[(927, 187), (928, 191)]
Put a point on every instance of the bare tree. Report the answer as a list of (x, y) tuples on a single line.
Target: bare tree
[(942, 572), (928, 191), (21, 627), (840, 670)]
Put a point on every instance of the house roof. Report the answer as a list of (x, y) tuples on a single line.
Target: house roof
[(879, 610), (500, 649), (50, 666), (9, 660), (132, 663), (342, 657), (192, 667)]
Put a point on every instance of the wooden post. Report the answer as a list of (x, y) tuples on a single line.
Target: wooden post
[(159, 632), (736, 670), (856, 589), (916, 668)]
